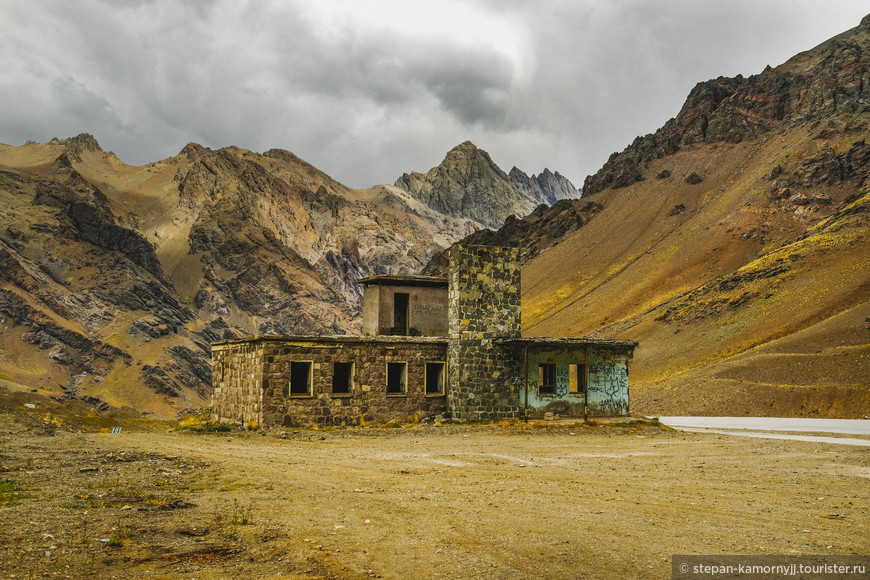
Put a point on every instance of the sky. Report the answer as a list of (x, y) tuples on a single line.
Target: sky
[(367, 91)]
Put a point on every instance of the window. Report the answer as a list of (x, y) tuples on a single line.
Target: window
[(342, 378), (400, 312), (397, 378), (546, 378), (577, 378), (300, 378), (435, 378)]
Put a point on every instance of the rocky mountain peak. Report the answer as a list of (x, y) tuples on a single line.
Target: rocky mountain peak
[(193, 150), (828, 79), (465, 146), (465, 155), (468, 184), (547, 187), (283, 155), (82, 142), (73, 147)]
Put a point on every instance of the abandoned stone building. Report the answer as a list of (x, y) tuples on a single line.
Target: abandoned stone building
[(449, 346)]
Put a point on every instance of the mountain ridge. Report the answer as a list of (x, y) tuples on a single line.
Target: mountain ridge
[(468, 183), (116, 278), (732, 244), (813, 84)]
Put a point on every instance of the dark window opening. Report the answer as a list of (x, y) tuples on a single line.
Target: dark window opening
[(300, 378), (396, 378), (547, 378), (400, 312), (342, 378), (435, 378)]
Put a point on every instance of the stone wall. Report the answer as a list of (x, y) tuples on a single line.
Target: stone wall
[(484, 304), (237, 375), (368, 400)]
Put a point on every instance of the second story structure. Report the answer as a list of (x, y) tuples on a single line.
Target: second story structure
[(404, 306)]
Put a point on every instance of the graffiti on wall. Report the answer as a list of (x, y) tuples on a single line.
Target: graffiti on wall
[(611, 378), (608, 384), (561, 381)]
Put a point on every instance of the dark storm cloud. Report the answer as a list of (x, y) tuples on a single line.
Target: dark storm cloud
[(369, 91)]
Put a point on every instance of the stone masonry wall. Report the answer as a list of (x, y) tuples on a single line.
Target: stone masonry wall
[(368, 401), (237, 375), (483, 304)]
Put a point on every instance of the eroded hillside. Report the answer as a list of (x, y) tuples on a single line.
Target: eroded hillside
[(116, 278), (733, 244)]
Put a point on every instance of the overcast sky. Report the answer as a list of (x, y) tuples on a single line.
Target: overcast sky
[(369, 90)]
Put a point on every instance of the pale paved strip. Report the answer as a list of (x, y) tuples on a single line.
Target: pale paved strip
[(844, 426), (811, 438)]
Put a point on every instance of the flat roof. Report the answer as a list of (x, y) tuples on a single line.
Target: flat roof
[(568, 341), (336, 339), (388, 339), (427, 281)]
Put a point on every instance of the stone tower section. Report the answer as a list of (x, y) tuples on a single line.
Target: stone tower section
[(483, 305)]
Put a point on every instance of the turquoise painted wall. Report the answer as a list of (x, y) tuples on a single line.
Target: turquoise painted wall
[(607, 387), (608, 383)]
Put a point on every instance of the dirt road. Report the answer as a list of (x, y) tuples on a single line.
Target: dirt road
[(418, 502)]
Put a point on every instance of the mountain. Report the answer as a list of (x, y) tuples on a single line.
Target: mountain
[(116, 278), (546, 188), (543, 228), (734, 244), (828, 80), (469, 184)]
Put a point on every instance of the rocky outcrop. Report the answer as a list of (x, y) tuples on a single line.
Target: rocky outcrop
[(64, 345), (832, 78), (802, 191), (541, 229), (468, 184), (829, 167), (96, 229), (75, 146), (547, 187)]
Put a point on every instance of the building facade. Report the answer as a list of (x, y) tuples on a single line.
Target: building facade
[(430, 346)]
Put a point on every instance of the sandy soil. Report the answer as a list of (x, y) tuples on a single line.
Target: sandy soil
[(555, 501)]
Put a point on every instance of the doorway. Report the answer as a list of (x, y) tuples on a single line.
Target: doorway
[(400, 312)]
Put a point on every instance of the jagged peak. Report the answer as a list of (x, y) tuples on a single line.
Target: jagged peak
[(192, 150), (465, 146), (73, 147), (284, 155), (235, 150), (82, 142), (734, 109), (467, 151)]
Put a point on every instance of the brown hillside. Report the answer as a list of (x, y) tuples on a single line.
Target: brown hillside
[(114, 279), (740, 261)]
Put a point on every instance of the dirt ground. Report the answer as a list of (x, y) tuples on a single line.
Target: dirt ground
[(452, 501)]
